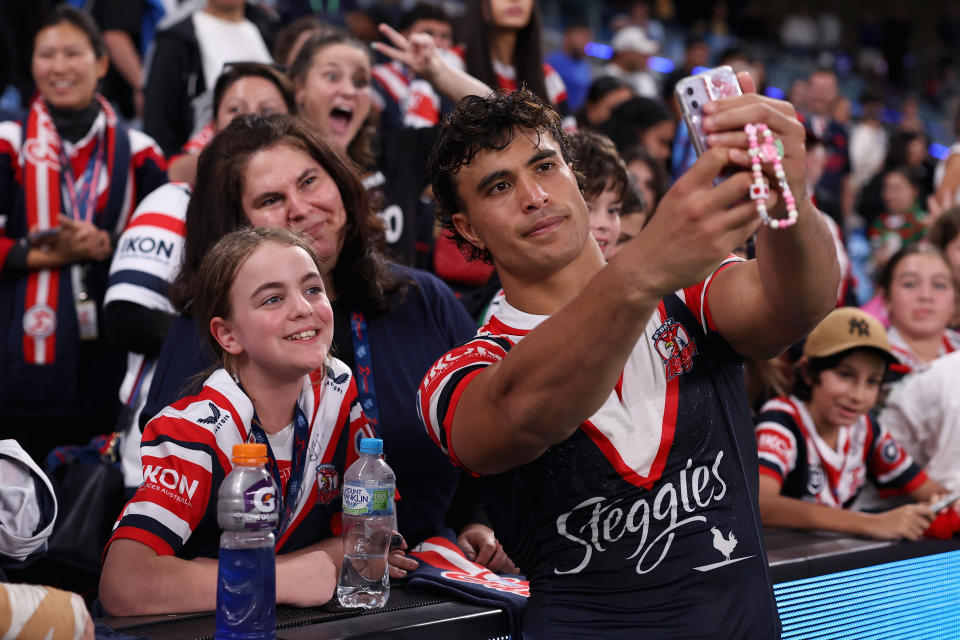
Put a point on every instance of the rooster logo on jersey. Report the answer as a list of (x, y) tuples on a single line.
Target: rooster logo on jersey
[(675, 346), (725, 544)]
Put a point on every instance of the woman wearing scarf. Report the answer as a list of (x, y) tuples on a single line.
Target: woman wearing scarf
[(70, 176)]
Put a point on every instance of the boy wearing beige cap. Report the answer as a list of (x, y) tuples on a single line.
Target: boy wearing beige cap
[(818, 446)]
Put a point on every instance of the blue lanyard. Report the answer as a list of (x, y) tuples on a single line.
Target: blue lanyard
[(83, 195), (363, 364), (301, 432)]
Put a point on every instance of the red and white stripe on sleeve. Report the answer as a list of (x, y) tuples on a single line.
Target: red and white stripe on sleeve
[(445, 382)]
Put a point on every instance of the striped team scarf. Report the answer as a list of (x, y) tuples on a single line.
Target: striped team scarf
[(42, 185)]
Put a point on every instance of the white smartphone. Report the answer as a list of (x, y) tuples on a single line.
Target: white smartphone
[(695, 91), (943, 503)]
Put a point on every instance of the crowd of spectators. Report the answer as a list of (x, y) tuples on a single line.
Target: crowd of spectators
[(135, 135)]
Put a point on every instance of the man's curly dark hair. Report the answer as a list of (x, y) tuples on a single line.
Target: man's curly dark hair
[(479, 124)]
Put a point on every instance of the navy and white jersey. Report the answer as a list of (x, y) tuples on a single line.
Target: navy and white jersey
[(147, 261), (793, 453), (150, 250), (642, 520)]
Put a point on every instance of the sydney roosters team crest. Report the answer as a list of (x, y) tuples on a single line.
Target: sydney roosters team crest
[(675, 346), (328, 483), (39, 321)]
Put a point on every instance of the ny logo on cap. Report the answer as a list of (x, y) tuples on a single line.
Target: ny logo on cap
[(860, 326)]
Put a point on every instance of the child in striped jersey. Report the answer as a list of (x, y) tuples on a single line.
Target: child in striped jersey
[(270, 323), (818, 446)]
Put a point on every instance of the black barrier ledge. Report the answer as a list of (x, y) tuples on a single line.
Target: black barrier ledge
[(795, 555), (406, 616), (792, 555)]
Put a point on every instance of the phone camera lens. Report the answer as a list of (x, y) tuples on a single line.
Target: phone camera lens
[(689, 91), (695, 104)]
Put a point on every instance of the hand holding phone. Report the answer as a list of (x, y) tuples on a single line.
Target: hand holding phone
[(695, 91), (945, 502)]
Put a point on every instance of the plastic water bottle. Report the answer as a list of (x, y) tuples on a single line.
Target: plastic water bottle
[(247, 511), (368, 522)]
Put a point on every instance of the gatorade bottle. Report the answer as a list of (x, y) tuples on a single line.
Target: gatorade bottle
[(368, 523), (247, 511)]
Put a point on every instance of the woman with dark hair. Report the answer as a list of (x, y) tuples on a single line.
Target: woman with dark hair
[(70, 176), (603, 96), (332, 79), (502, 47), (243, 87), (391, 322), (137, 311), (351, 248), (647, 122)]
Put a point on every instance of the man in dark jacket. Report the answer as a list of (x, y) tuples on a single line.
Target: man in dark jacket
[(186, 60)]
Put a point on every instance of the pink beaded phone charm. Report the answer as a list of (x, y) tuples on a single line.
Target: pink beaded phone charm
[(767, 152)]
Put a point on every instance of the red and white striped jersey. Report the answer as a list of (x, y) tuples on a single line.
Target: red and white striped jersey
[(186, 453), (792, 452), (418, 104), (150, 250)]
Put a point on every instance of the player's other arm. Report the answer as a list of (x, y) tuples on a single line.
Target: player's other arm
[(764, 305)]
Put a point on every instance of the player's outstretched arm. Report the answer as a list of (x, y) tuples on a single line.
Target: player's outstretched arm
[(562, 372)]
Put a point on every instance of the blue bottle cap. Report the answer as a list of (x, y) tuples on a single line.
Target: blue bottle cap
[(372, 446)]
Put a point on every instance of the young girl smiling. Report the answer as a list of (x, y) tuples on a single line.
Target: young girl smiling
[(270, 323), (920, 295)]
